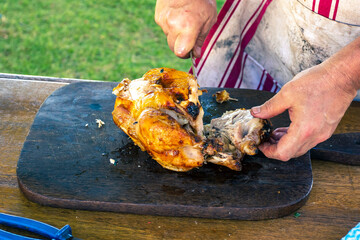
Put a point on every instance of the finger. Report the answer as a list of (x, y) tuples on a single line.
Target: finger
[(202, 36), (198, 44), (292, 144), (284, 149), (281, 129), (184, 43), (273, 140), (271, 108), (278, 133), (197, 51), (171, 38)]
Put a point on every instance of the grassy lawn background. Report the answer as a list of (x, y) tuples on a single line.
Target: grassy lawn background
[(87, 39)]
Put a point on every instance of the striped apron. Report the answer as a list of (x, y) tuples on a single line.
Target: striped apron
[(262, 44)]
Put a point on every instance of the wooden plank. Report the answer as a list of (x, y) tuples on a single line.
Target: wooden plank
[(329, 213)]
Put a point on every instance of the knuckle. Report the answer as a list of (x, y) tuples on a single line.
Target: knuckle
[(160, 19), (324, 136), (309, 131), (213, 18), (286, 91), (284, 157), (176, 21), (157, 19), (300, 153)]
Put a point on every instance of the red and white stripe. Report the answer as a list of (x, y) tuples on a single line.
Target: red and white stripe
[(224, 61), (232, 76), (224, 16), (326, 8), (267, 83)]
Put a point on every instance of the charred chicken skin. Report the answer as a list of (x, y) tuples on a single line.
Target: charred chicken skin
[(162, 114)]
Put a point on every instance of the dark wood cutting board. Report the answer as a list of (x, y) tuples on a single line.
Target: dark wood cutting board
[(65, 163)]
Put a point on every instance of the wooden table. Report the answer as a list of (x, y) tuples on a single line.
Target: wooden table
[(331, 211)]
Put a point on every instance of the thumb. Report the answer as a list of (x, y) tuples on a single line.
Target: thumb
[(271, 108)]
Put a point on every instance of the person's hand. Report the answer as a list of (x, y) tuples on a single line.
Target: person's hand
[(186, 23), (316, 99)]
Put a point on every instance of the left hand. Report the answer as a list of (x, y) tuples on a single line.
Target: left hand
[(316, 99)]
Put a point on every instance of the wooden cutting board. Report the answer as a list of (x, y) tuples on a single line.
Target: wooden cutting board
[(65, 163)]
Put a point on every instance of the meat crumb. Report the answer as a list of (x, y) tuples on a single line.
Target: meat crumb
[(100, 123), (223, 96)]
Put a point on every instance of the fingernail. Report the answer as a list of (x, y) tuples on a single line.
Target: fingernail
[(180, 50), (255, 110)]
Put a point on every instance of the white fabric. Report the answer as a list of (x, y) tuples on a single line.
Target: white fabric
[(289, 38), (345, 11)]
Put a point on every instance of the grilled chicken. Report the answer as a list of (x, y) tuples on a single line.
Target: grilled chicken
[(162, 114), (235, 134)]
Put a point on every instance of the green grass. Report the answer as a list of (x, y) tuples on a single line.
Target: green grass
[(87, 39)]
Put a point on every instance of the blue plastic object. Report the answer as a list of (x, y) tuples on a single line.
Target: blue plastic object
[(34, 226), (353, 234)]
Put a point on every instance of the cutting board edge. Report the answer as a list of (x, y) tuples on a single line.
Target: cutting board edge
[(162, 210), (169, 210)]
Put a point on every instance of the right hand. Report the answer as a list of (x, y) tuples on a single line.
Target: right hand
[(316, 99), (186, 23)]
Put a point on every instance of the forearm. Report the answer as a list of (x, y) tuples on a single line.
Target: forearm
[(346, 65)]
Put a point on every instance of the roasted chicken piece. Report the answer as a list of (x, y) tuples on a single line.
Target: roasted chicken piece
[(233, 135), (223, 96), (162, 114)]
